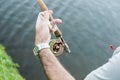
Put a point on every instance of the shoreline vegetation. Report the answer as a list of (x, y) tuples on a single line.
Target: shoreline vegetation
[(8, 69)]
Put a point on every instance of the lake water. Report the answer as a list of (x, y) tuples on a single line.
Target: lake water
[(89, 27)]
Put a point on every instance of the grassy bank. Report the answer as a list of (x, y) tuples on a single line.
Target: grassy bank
[(8, 69)]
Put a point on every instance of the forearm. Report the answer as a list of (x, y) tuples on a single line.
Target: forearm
[(54, 70)]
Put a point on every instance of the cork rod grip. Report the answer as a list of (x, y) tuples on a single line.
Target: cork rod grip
[(44, 8)]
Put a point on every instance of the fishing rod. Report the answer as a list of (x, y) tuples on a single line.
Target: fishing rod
[(57, 45)]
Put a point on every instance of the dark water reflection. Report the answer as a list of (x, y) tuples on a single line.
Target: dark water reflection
[(89, 26)]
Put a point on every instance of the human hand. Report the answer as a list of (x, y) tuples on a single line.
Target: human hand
[(43, 30)]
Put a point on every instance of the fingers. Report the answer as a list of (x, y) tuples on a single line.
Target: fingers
[(55, 28), (54, 24), (56, 21), (45, 15)]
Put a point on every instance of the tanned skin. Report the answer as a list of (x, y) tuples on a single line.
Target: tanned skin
[(54, 70)]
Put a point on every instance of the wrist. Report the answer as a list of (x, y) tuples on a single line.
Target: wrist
[(43, 52), (39, 40), (39, 47)]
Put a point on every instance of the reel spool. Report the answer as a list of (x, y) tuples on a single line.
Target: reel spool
[(57, 46)]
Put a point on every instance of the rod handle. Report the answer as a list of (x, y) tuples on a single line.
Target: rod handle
[(44, 8)]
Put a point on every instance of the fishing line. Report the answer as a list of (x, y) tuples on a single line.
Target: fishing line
[(99, 38)]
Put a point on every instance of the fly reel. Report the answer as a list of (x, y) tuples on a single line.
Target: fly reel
[(56, 46)]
